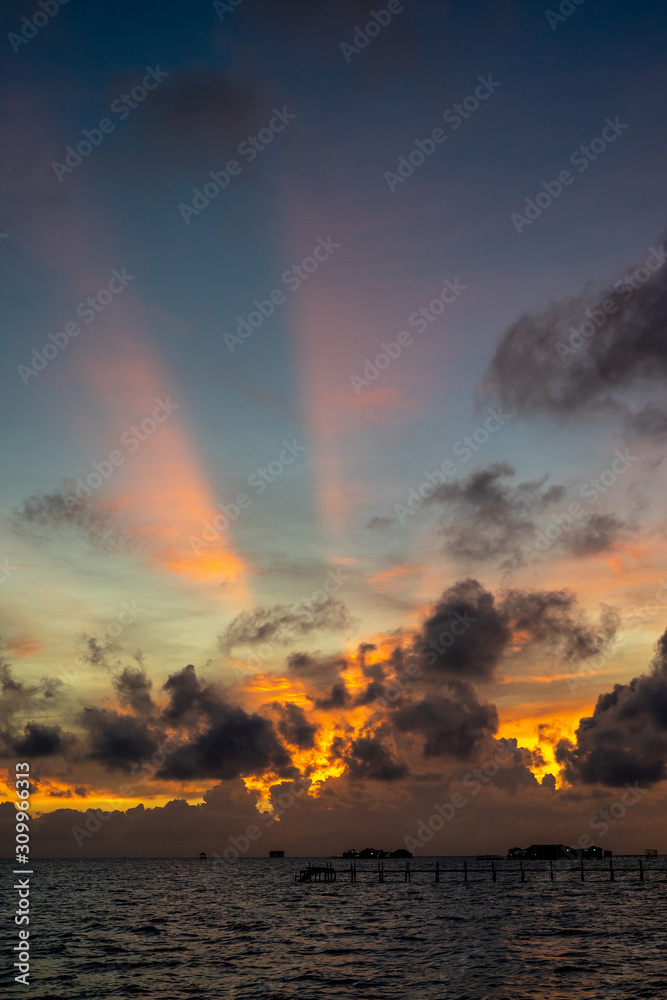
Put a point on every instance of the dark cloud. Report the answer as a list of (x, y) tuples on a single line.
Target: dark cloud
[(552, 620), (95, 652), (625, 740), (371, 693), (452, 726), (317, 669), (465, 635), (339, 698), (189, 698), (294, 726), (369, 757), (283, 623), (62, 512), (20, 699), (117, 741), (133, 688), (229, 741), (10, 686), (468, 632), (42, 741), (591, 375), (595, 533), (235, 743), (488, 518)]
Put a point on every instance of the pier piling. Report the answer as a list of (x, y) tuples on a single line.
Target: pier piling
[(592, 870)]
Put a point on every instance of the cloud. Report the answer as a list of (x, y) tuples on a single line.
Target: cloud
[(43, 741), (314, 668), (228, 741), (465, 635), (95, 652), (62, 512), (596, 533), (19, 699), (369, 757), (117, 741), (189, 698), (552, 620), (133, 688), (339, 698), (283, 623), (453, 726), (294, 726), (597, 371), (371, 692), (625, 740), (468, 631), (488, 519)]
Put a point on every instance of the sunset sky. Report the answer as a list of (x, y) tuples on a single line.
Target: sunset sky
[(333, 419)]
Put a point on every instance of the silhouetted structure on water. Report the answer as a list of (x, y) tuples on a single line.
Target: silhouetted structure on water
[(554, 852), (371, 852)]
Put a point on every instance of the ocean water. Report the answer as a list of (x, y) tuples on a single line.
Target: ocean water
[(244, 930)]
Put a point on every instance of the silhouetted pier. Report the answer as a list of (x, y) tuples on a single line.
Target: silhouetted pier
[(505, 871), (316, 873)]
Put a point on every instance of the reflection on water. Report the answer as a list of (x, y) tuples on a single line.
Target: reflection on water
[(172, 929)]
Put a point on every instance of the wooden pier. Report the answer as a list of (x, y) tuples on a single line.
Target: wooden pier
[(316, 873), (507, 872)]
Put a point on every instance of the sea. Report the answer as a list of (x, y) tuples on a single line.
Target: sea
[(171, 929)]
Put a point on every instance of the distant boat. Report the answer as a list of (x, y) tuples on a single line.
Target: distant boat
[(202, 856), (276, 854)]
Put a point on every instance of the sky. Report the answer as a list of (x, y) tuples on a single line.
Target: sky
[(332, 389)]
